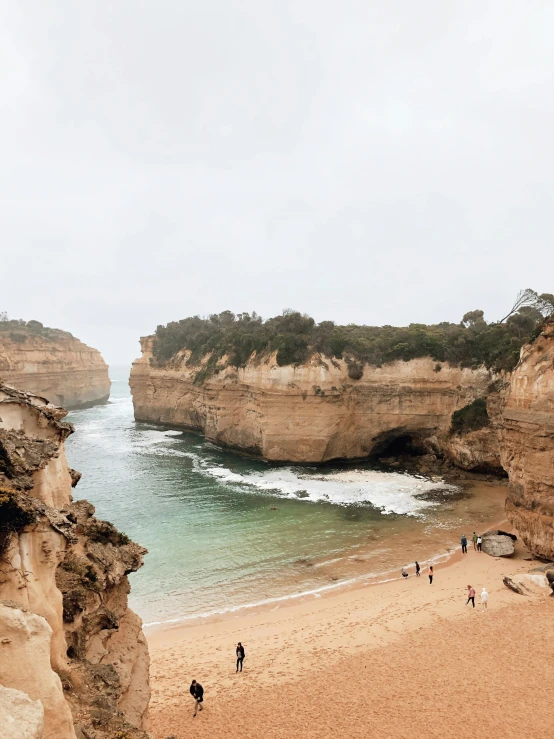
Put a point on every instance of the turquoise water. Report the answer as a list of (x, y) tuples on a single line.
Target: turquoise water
[(225, 531)]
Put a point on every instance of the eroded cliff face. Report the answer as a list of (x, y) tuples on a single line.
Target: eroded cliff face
[(479, 450), (315, 412), (62, 369), (528, 445), (67, 637)]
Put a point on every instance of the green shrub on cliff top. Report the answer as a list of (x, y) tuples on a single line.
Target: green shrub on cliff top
[(294, 336), (19, 330)]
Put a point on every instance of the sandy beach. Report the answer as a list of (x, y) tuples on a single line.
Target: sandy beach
[(400, 659)]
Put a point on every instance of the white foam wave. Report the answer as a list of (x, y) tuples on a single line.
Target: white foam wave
[(391, 492)]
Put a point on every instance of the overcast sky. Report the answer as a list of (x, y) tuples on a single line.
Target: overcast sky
[(363, 161)]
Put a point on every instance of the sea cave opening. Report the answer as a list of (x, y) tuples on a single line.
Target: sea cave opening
[(398, 444)]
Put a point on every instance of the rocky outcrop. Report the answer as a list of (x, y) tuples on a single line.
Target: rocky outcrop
[(55, 365), (25, 664), (479, 450), (529, 584), (20, 717), (316, 412), (528, 445), (67, 637)]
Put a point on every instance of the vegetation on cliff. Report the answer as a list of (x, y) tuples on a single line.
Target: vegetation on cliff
[(13, 517), (471, 417), (19, 330), (294, 336)]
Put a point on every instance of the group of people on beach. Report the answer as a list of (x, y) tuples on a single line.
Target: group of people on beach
[(430, 572), (477, 546), (477, 543), (197, 691)]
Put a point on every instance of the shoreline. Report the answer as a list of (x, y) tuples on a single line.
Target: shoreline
[(359, 583), (333, 588)]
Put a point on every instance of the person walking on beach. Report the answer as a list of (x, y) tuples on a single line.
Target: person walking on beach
[(470, 595), (464, 544), (240, 656), (431, 573), (484, 600), (197, 692), (479, 543), (474, 540), (417, 569)]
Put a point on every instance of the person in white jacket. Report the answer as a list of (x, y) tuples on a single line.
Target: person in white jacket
[(484, 600)]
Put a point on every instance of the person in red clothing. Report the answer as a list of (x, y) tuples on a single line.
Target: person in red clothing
[(470, 595)]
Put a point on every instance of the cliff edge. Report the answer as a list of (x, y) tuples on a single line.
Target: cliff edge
[(315, 411), (52, 364), (528, 444), (67, 638)]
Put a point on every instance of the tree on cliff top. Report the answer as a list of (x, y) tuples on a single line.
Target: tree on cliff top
[(543, 304), (294, 336)]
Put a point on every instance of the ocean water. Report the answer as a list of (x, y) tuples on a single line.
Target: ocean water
[(225, 532)]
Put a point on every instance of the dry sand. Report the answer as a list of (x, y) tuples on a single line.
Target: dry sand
[(400, 659)]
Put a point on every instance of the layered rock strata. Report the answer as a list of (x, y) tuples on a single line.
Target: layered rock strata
[(60, 368), (528, 444), (67, 637), (315, 412)]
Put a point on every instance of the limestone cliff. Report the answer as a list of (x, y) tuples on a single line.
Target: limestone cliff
[(67, 637), (54, 365), (315, 412), (528, 444)]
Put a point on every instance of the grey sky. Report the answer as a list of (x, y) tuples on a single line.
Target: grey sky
[(363, 161)]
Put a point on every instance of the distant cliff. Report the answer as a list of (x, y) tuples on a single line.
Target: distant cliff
[(73, 658), (52, 364)]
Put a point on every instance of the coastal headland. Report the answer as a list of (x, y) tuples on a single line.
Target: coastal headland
[(53, 364), (475, 397)]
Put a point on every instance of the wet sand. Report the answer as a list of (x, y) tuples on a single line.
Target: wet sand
[(400, 659)]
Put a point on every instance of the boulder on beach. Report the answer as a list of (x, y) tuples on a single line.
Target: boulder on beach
[(499, 532), (529, 584), (498, 545)]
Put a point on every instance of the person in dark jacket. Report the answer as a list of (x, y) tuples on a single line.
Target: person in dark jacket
[(464, 544), (240, 656), (417, 569), (197, 692)]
